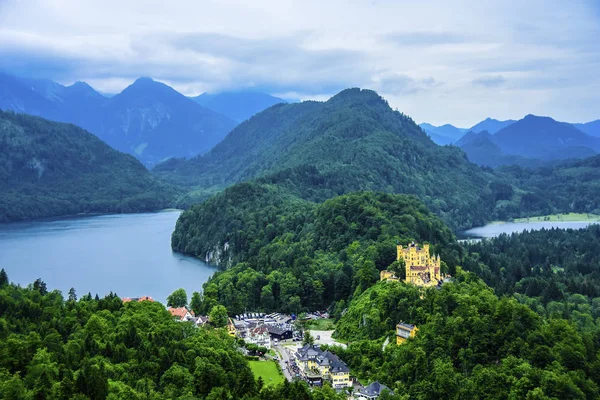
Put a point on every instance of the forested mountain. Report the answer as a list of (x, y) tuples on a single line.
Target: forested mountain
[(52, 348), (591, 128), (471, 344), (444, 134), (546, 139), (148, 119), (354, 141), (491, 125), (239, 106), (289, 255), (51, 169)]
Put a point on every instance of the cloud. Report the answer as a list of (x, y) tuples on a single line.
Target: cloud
[(490, 81), (426, 38), (442, 62)]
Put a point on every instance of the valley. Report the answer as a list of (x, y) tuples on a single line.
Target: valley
[(304, 207)]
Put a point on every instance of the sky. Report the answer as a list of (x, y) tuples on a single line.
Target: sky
[(438, 61)]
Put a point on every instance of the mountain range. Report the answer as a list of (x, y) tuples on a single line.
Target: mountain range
[(148, 119), (529, 141), (52, 169), (354, 141)]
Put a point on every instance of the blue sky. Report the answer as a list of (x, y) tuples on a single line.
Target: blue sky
[(437, 61)]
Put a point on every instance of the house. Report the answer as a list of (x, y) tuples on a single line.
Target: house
[(181, 313), (201, 320), (259, 336), (372, 391), (405, 331), (389, 276), (280, 332), (138, 299), (231, 327), (318, 365)]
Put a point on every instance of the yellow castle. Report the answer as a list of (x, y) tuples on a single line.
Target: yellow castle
[(421, 268)]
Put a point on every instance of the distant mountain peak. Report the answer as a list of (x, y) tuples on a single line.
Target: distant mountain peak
[(144, 79)]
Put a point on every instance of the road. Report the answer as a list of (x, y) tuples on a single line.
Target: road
[(325, 338), (284, 356)]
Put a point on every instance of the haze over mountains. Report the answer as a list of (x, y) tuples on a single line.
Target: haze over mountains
[(148, 119), (239, 106), (528, 142)]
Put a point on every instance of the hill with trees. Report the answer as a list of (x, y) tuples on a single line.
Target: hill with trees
[(290, 255), (99, 348), (470, 343), (352, 142), (52, 169)]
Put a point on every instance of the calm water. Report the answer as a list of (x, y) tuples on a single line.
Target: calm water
[(126, 254), (493, 230)]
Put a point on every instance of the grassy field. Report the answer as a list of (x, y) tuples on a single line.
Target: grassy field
[(324, 324), (267, 370), (561, 217)]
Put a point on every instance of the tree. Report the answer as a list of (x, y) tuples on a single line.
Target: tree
[(308, 338), (218, 316), (40, 285), (72, 295), (177, 299), (3, 278), (196, 303)]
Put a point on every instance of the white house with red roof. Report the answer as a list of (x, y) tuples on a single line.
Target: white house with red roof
[(181, 313)]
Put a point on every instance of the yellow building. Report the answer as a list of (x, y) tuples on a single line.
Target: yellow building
[(389, 276), (421, 268), (231, 328), (317, 365), (405, 331)]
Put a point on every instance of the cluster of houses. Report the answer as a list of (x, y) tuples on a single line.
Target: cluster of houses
[(263, 329)]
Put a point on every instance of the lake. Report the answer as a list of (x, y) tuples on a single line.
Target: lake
[(493, 230), (128, 254)]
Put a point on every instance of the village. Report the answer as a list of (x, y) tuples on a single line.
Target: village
[(294, 350)]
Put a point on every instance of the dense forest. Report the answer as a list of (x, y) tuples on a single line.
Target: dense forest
[(290, 255), (549, 265), (569, 186), (53, 169), (99, 348), (352, 142), (471, 344)]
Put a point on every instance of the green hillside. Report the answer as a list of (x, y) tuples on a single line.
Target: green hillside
[(352, 142), (289, 255), (470, 344), (53, 169)]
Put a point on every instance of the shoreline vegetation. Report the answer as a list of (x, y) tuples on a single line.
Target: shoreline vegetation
[(566, 217)]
